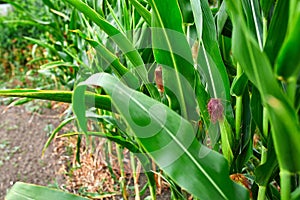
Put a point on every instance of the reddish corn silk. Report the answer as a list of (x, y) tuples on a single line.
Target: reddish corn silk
[(215, 109), (159, 79)]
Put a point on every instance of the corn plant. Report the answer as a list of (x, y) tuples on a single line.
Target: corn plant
[(210, 93)]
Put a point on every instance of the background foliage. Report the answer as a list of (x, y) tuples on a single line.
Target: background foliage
[(209, 94)]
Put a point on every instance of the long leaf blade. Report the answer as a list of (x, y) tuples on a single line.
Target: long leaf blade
[(288, 62), (211, 66), (121, 40), (283, 117), (111, 60), (169, 139), (99, 101), (210, 62), (277, 30), (142, 11), (24, 191), (172, 52)]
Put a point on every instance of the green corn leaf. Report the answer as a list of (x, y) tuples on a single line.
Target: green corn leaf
[(295, 194), (111, 60), (277, 30), (50, 4), (60, 14), (173, 53), (266, 5), (209, 57), (222, 17), (246, 127), (68, 56), (253, 19), (202, 99), (25, 191), (245, 147), (99, 101), (125, 16), (227, 140), (74, 18), (54, 133), (257, 111), (211, 66), (244, 156), (294, 8), (273, 193), (288, 62), (210, 62), (265, 172), (20, 101), (238, 85), (168, 138), (79, 111), (115, 138), (120, 39), (49, 25), (52, 49), (42, 44), (186, 10), (284, 119), (142, 11), (55, 64), (115, 17)]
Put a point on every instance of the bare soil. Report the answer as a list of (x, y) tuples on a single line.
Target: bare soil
[(23, 134), (22, 137)]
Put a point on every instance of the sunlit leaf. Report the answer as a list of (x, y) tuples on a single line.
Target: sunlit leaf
[(24, 191), (142, 11), (169, 140), (99, 101), (173, 53)]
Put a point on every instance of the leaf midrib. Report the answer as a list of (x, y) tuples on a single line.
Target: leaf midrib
[(172, 136), (256, 26)]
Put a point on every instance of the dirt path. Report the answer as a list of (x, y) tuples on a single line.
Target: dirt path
[(22, 136)]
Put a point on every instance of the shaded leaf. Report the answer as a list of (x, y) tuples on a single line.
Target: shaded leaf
[(266, 6), (210, 62), (283, 117), (238, 85), (277, 30), (257, 110), (288, 62), (264, 172), (253, 19), (142, 11)]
